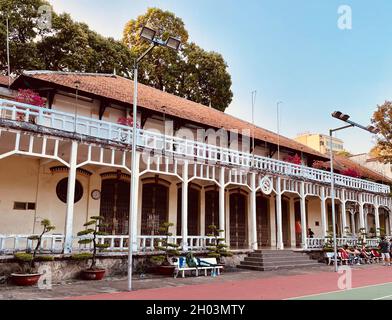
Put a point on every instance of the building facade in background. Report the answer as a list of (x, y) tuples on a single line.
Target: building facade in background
[(320, 142)]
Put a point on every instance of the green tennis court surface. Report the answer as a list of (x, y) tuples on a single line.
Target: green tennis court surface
[(374, 292)]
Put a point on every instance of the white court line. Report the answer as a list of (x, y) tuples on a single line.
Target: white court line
[(382, 298), (338, 291)]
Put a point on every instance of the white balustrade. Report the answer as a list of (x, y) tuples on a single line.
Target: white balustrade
[(318, 243), (179, 147), (16, 243)]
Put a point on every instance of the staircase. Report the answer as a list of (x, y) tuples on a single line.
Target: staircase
[(268, 260)]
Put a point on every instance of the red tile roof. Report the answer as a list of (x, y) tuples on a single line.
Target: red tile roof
[(121, 89), (4, 81)]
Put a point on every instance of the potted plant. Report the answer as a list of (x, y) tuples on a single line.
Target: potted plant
[(163, 264), (90, 236), (29, 275), (219, 248)]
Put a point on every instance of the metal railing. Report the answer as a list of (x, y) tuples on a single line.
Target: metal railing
[(175, 146)]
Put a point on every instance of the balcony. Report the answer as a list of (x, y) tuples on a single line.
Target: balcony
[(177, 147)]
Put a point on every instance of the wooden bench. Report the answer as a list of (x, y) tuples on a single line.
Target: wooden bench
[(203, 264)]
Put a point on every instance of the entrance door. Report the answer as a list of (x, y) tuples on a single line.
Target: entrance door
[(211, 209), (115, 197), (263, 221), (286, 223), (193, 211), (154, 207), (238, 225)]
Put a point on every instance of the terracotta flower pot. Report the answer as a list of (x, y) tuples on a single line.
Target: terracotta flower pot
[(25, 279), (96, 274)]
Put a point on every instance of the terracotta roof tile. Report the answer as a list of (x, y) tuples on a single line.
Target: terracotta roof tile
[(121, 89), (4, 81)]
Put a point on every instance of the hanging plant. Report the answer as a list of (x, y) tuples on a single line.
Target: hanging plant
[(351, 173), (296, 159)]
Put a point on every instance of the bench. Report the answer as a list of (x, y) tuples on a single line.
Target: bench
[(203, 264), (331, 257)]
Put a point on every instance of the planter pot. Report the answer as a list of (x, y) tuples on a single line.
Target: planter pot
[(163, 270), (97, 274), (25, 279)]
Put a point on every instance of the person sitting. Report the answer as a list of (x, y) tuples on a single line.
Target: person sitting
[(375, 254), (345, 255), (310, 233), (357, 255), (351, 254), (366, 255)]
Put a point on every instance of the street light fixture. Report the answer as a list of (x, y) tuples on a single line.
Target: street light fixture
[(173, 43), (345, 118)]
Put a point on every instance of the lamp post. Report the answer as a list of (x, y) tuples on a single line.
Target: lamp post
[(345, 118), (172, 43), (278, 125)]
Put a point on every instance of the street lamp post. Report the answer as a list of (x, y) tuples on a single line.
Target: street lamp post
[(343, 117), (172, 43), (278, 125)]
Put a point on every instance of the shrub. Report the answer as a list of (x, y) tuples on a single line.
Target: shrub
[(218, 250), (170, 249)]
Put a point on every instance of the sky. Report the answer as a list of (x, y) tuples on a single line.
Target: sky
[(287, 50)]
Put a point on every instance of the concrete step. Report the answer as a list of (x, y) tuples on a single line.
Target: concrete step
[(284, 267), (279, 263), (277, 259)]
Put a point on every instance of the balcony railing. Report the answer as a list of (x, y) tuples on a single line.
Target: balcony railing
[(318, 243), (173, 145), (10, 244)]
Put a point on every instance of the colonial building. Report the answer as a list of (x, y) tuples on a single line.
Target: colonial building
[(196, 166)]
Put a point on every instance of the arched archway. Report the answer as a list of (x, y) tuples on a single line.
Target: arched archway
[(155, 204), (211, 209), (263, 221), (193, 210), (114, 207), (238, 220)]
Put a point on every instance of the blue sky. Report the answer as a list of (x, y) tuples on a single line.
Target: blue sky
[(287, 50)]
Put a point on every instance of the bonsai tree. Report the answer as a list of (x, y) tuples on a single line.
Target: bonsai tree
[(28, 259), (328, 244), (90, 236), (347, 232), (362, 236), (170, 249), (219, 249)]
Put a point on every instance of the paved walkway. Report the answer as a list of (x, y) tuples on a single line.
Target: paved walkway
[(240, 285)]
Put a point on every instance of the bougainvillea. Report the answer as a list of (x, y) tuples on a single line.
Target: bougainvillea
[(294, 159), (351, 173), (321, 165), (29, 96), (127, 121)]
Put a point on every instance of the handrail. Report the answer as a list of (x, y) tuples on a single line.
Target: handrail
[(173, 145)]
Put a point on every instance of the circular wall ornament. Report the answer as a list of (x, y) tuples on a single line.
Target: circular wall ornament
[(62, 187), (266, 185), (96, 194)]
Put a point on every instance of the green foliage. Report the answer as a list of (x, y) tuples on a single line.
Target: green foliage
[(23, 257), (191, 73), (219, 249), (28, 260), (82, 256), (169, 249), (89, 235)]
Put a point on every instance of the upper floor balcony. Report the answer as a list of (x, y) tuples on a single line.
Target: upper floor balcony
[(177, 147)]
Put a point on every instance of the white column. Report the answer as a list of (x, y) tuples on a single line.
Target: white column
[(203, 212), (344, 215), (303, 215), (134, 206), (324, 225), (222, 207), (272, 219), (254, 245), (361, 216), (390, 221), (70, 198), (353, 229), (184, 207), (279, 228), (227, 215), (292, 223), (377, 218), (365, 218)]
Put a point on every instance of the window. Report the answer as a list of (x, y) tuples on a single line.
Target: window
[(62, 187), (24, 205)]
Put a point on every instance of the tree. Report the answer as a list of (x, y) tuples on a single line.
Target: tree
[(23, 31), (64, 46), (191, 73), (382, 120)]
